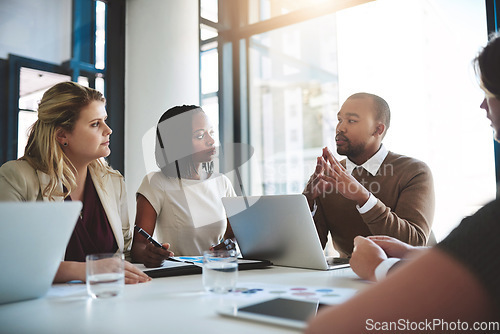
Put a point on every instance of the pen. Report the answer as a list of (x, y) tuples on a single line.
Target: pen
[(153, 241), (148, 237)]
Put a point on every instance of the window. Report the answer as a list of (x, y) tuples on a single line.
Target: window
[(32, 84), (33, 81), (266, 9), (297, 62), (424, 72), (209, 62), (293, 92)]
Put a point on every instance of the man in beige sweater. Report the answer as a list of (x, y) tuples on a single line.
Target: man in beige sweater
[(373, 191)]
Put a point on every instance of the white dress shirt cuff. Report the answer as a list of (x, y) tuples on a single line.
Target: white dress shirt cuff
[(372, 200), (384, 266)]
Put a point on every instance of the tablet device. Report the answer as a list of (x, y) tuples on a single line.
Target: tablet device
[(280, 311)]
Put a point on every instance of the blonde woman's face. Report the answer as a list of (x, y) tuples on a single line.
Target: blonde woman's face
[(89, 139)]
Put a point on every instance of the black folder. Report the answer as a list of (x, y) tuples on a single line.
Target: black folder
[(191, 269)]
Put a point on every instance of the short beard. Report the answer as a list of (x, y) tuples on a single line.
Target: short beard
[(351, 151)]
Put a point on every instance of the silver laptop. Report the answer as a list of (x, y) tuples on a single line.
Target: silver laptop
[(280, 229), (33, 240)]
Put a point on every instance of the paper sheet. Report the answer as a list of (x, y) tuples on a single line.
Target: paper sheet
[(254, 292)]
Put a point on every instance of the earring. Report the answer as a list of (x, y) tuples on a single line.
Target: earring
[(65, 144)]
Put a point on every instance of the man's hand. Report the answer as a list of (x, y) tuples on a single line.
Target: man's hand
[(366, 256), (316, 186), (344, 183), (393, 247)]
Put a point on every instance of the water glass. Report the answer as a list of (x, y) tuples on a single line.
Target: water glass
[(220, 270), (105, 274)]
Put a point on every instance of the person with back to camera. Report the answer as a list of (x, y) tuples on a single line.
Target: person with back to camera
[(182, 202), (455, 281), (64, 160), (372, 191)]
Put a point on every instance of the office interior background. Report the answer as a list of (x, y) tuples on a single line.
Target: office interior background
[(269, 73)]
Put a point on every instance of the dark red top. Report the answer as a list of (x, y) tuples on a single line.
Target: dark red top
[(92, 233)]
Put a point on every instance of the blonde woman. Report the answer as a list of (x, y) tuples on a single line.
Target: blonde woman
[(63, 160)]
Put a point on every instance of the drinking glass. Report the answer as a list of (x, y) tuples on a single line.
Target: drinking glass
[(220, 271), (105, 274)]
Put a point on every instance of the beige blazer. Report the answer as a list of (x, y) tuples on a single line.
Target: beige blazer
[(21, 182)]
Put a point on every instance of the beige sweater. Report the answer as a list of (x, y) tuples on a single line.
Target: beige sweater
[(404, 210)]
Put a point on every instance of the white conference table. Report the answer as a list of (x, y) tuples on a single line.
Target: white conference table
[(164, 305)]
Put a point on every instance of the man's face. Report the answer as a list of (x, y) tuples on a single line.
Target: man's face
[(492, 106), (356, 126)]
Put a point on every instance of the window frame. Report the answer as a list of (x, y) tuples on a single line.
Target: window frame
[(493, 22), (233, 38), (81, 64), (233, 41)]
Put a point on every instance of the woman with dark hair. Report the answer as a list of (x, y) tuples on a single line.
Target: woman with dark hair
[(181, 203)]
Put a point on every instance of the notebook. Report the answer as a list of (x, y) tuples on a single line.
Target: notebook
[(33, 240), (189, 265), (278, 228)]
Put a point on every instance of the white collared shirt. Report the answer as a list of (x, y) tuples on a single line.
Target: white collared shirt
[(372, 165), (383, 268)]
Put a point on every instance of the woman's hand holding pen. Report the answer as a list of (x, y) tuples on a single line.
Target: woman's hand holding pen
[(151, 252), (154, 256)]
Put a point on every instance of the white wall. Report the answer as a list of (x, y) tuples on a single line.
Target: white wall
[(38, 29), (162, 70)]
